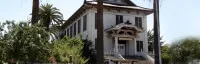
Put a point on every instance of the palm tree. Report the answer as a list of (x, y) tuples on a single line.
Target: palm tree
[(50, 15), (35, 10)]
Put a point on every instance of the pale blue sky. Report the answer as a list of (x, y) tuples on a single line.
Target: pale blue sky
[(178, 18)]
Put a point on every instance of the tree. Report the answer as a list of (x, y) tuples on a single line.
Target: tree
[(150, 36), (35, 11), (49, 14), (165, 55), (62, 49), (24, 43), (185, 50), (89, 52)]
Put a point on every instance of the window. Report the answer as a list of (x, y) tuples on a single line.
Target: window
[(139, 46), (84, 22), (79, 26), (138, 22), (71, 31), (74, 29), (119, 19), (95, 20), (68, 32), (95, 43)]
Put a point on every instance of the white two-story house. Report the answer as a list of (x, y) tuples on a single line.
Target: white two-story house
[(125, 29)]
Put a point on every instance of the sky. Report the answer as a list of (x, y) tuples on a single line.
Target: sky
[(178, 18)]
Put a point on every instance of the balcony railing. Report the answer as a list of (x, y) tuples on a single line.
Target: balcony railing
[(109, 53)]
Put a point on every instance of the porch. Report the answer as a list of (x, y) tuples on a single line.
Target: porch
[(124, 44)]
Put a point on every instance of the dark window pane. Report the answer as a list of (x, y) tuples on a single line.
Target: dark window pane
[(138, 46), (141, 46), (74, 29), (136, 21), (95, 20), (140, 22), (119, 19), (85, 23), (68, 32), (71, 31), (79, 26)]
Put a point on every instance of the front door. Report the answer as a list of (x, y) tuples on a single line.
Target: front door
[(121, 48)]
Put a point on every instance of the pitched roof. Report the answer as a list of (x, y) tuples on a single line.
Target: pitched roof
[(90, 4)]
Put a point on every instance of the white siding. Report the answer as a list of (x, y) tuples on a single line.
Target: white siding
[(109, 21)]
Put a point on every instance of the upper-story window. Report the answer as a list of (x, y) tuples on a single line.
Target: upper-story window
[(79, 26), (95, 20), (84, 22), (139, 46), (119, 19), (71, 31), (74, 29), (138, 22)]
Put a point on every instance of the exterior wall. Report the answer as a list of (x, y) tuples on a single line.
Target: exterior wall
[(109, 21)]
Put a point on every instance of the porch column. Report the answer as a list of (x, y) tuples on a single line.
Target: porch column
[(116, 45), (135, 46)]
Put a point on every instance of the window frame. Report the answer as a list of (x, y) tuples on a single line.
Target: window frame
[(119, 19), (140, 46)]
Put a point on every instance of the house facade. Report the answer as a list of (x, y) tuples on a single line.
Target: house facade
[(125, 29)]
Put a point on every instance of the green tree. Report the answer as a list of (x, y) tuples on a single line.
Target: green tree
[(165, 55), (89, 52), (150, 36), (50, 15), (185, 50), (24, 43), (62, 49)]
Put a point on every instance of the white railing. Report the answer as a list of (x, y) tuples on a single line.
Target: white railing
[(109, 53)]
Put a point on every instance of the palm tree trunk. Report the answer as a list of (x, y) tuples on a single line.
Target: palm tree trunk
[(156, 32), (99, 44), (35, 11)]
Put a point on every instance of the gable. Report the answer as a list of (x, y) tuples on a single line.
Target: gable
[(120, 2)]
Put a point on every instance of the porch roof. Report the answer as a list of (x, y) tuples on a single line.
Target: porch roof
[(125, 26)]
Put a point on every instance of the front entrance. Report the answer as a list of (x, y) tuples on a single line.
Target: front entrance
[(122, 47)]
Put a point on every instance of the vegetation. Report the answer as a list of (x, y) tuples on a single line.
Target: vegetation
[(185, 50), (89, 52), (165, 54), (150, 36), (50, 15), (22, 43), (62, 49)]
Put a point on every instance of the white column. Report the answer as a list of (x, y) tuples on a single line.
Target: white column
[(135, 46), (116, 45)]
